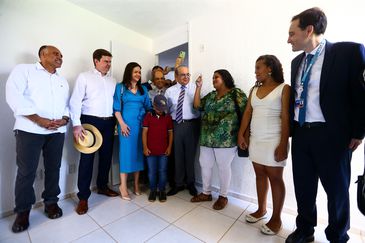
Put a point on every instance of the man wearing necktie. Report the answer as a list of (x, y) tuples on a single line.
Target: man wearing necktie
[(186, 130), (328, 123)]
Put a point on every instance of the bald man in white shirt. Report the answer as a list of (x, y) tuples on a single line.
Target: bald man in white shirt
[(92, 102), (38, 96)]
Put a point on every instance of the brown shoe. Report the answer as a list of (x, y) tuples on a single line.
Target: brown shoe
[(82, 207), (53, 211), (220, 203), (201, 198), (107, 192), (21, 222)]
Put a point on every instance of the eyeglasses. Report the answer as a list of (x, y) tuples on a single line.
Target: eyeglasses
[(185, 75)]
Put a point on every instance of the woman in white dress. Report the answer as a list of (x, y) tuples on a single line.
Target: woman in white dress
[(267, 118)]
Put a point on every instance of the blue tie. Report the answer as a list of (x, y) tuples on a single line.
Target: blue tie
[(179, 109), (303, 96)]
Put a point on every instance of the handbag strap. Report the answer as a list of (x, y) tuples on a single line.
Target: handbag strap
[(236, 106)]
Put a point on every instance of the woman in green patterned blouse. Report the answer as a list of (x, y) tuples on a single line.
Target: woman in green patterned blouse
[(218, 134)]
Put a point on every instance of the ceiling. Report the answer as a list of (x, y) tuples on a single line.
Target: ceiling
[(151, 18)]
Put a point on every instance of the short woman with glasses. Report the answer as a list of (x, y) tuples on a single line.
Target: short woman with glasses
[(131, 101), (218, 134)]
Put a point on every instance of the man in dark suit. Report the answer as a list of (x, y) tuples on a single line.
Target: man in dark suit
[(328, 122)]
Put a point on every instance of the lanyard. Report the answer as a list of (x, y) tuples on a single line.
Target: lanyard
[(308, 67)]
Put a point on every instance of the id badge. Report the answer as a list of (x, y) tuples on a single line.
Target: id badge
[(299, 103)]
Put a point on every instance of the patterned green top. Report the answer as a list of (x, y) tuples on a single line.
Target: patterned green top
[(220, 123)]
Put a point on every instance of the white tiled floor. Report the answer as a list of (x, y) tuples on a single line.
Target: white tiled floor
[(176, 220)]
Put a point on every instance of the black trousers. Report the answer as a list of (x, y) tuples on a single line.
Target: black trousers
[(186, 137), (316, 157), (28, 150), (106, 128)]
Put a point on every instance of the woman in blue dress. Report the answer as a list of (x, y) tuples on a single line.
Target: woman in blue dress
[(131, 101)]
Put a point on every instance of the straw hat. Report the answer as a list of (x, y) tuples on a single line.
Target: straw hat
[(92, 140)]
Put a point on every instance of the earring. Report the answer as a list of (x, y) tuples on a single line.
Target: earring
[(269, 73)]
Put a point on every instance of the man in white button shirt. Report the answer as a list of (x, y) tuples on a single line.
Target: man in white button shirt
[(158, 84), (38, 96), (186, 131), (92, 102)]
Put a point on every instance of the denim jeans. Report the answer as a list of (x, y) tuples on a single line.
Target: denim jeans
[(157, 166)]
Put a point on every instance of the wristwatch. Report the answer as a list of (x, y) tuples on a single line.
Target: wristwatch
[(66, 118)]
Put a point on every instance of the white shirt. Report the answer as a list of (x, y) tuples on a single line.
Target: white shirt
[(172, 96), (92, 95), (31, 89), (313, 110), (155, 91)]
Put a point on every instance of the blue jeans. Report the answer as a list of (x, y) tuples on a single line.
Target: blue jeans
[(157, 164)]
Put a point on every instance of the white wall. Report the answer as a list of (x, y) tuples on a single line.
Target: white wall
[(234, 38), (25, 26), (171, 39)]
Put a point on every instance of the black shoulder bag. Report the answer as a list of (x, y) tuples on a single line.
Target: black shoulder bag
[(361, 192)]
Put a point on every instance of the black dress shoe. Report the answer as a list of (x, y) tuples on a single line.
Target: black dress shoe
[(299, 236), (192, 190), (175, 190), (53, 211), (107, 192), (162, 196), (21, 222), (152, 196)]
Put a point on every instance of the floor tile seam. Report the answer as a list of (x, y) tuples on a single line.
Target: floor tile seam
[(98, 227), (221, 212), (187, 232), (85, 235), (246, 224), (148, 211), (102, 226), (106, 232), (168, 225), (30, 239), (214, 211), (139, 209), (145, 207), (149, 203), (196, 206), (229, 228)]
